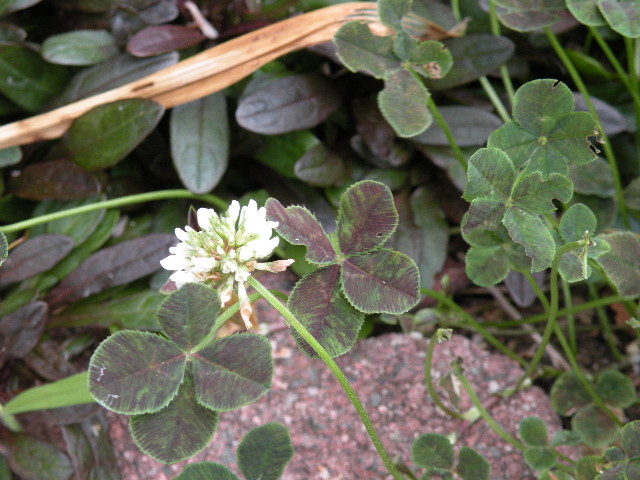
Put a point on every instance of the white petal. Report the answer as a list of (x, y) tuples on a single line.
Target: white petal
[(241, 275), (181, 234), (174, 262), (233, 212), (181, 277), (204, 216), (204, 264)]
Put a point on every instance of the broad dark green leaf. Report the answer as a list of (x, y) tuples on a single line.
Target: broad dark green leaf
[(200, 142), (115, 72), (361, 50), (532, 193), (109, 267), (595, 427), (431, 59), (385, 281), (10, 156), (89, 6), (233, 371), (299, 226), (136, 372), (594, 178), (586, 12), (286, 104), (540, 458), (4, 248), (487, 266), (470, 126), (422, 234), (631, 438), (36, 255), (623, 16), (533, 432), (528, 15), (189, 313), (391, 12), (318, 303), (21, 330), (547, 135), (206, 471), (616, 388), (485, 214), (265, 451), (90, 448), (79, 47), (474, 55), (568, 394), (105, 135), (79, 227), (490, 174), (27, 79), (529, 230), (135, 312), (54, 180), (472, 465), (622, 263), (432, 450), (575, 221), (157, 39), (321, 167), (367, 217), (281, 152), (404, 102), (10, 32), (178, 431), (34, 459), (8, 6)]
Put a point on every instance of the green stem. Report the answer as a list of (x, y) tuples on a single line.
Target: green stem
[(495, 99), (571, 319), (583, 379), (475, 325), (335, 369), (429, 380), (575, 76), (504, 70), (114, 203), (538, 291), (607, 332), (553, 309), (633, 80), (447, 131)]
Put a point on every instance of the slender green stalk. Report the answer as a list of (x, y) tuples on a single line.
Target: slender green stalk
[(114, 203), (632, 66), (429, 380), (475, 325), (583, 379), (575, 76), (504, 70), (553, 309), (607, 332), (447, 131), (571, 319), (455, 8), (335, 369), (539, 293), (495, 99), (617, 66)]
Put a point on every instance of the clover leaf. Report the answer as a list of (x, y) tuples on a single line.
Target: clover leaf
[(357, 276), (546, 134)]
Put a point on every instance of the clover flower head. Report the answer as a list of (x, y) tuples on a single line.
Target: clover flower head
[(224, 251)]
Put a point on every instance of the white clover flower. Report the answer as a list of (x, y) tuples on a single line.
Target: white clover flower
[(225, 251)]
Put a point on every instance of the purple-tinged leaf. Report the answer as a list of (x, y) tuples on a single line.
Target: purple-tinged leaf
[(36, 255), (117, 265), (54, 180), (622, 263), (286, 104), (265, 451), (21, 330), (8, 6), (30, 458), (189, 313), (178, 431), (520, 290), (484, 214), (159, 39), (299, 226), (233, 372), (386, 281), (367, 217), (136, 372), (318, 303)]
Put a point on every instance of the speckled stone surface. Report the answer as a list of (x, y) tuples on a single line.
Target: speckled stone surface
[(388, 374)]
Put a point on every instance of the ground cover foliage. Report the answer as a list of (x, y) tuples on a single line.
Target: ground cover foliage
[(496, 137)]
